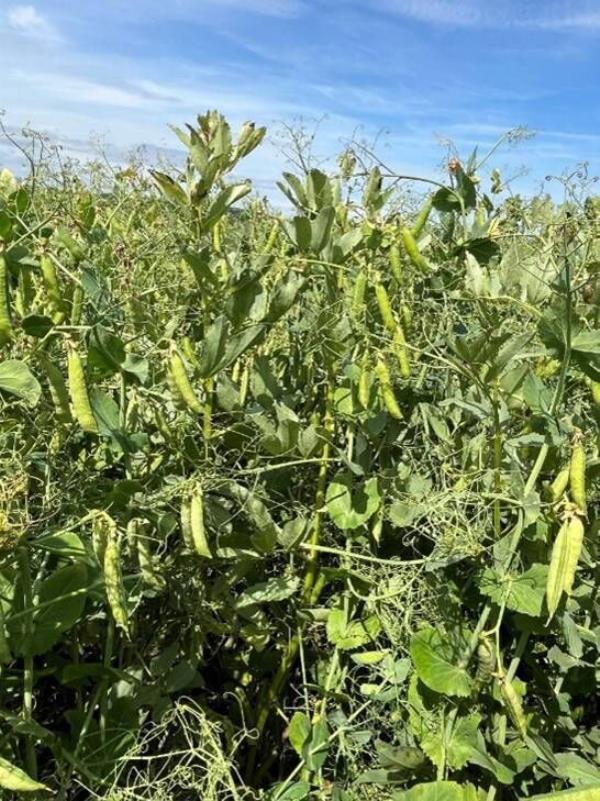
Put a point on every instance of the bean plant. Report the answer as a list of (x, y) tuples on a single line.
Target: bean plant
[(297, 505)]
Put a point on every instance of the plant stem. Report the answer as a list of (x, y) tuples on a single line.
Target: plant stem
[(208, 408), (310, 583), (28, 675)]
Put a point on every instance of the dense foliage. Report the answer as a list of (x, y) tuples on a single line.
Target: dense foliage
[(297, 506)]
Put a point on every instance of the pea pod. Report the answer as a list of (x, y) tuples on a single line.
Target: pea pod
[(422, 217), (53, 290), (113, 582), (136, 532), (364, 382), (563, 562), (186, 523), (189, 352), (183, 385), (244, 383), (5, 321), (558, 487), (385, 307), (77, 305), (595, 387), (401, 352), (413, 252), (486, 662), (513, 705), (198, 530), (162, 425), (396, 262), (577, 477), (79, 394), (272, 239), (25, 294), (58, 390), (103, 527), (387, 391)]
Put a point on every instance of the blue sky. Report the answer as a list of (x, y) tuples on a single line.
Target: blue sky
[(413, 72)]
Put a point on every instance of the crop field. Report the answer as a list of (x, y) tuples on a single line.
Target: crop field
[(297, 504)]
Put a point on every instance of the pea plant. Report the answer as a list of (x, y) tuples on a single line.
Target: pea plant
[(297, 505)]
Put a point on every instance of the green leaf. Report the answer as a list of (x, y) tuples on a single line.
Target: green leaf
[(317, 747), (224, 200), (400, 758), (348, 636), (275, 589), (106, 413), (523, 592), (200, 265), (106, 351), (298, 791), (297, 194), (66, 544), (213, 348), (587, 342), (463, 740), (13, 778), (299, 230), (170, 188), (137, 366), (64, 593), (37, 325), (433, 791), (435, 660), (17, 379), (321, 229), (587, 793), (283, 296), (351, 504), (299, 731), (239, 344), (576, 769)]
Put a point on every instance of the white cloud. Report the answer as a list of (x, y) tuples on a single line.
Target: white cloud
[(273, 8), (574, 21), (550, 15), (27, 20)]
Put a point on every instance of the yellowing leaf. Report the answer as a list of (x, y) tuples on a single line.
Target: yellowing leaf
[(13, 778)]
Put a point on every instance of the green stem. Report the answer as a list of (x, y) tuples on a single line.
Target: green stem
[(28, 675), (311, 581), (315, 538), (497, 460), (537, 468), (208, 410)]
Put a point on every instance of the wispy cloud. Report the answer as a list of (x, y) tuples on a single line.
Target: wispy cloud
[(589, 22), (549, 15), (27, 21), (273, 8)]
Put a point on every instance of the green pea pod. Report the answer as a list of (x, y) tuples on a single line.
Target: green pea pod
[(113, 582), (413, 252), (5, 321), (79, 394)]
